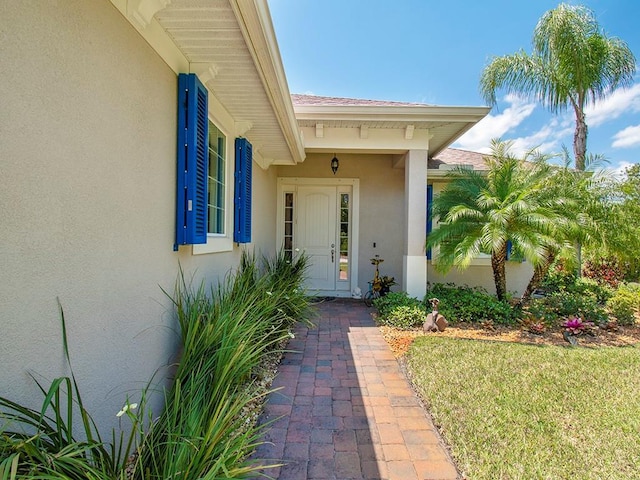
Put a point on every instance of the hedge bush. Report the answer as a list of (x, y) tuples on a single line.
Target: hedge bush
[(563, 282), (397, 309), (559, 305), (625, 303), (467, 304)]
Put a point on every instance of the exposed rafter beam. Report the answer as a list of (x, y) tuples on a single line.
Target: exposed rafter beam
[(364, 131), (141, 12), (408, 132), (205, 71)]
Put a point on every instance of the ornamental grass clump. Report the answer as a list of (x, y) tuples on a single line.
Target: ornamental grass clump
[(226, 333), (208, 428), (60, 440)]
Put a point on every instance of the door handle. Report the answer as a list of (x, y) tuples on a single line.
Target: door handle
[(333, 252)]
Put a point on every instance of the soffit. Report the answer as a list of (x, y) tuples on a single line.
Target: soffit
[(444, 124), (231, 44)]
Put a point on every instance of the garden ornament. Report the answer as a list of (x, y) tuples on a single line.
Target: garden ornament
[(435, 321)]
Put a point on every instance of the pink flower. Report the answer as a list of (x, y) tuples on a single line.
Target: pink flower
[(575, 325)]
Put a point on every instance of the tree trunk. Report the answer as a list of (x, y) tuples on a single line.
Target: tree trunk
[(580, 151), (538, 275), (579, 259), (580, 140), (498, 261)]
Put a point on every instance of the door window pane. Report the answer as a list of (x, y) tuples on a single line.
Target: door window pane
[(344, 237), (288, 225)]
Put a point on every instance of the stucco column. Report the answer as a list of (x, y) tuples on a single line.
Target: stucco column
[(415, 209)]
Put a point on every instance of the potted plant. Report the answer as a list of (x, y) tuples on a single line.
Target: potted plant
[(385, 284)]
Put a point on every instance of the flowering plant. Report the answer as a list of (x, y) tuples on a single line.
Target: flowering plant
[(576, 326)]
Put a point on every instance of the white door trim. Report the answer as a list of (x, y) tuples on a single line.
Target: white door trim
[(287, 184)]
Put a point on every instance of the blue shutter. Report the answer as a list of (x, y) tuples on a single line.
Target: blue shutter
[(242, 195), (193, 161), (509, 248), (429, 217)]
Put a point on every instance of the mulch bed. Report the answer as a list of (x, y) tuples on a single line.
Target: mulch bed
[(400, 340)]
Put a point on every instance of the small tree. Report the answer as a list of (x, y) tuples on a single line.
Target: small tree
[(484, 211)]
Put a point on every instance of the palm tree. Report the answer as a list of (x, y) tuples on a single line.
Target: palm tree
[(484, 211), (584, 203), (573, 64), (565, 195)]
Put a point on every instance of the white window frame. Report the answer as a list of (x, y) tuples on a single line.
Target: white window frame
[(220, 179), (217, 242)]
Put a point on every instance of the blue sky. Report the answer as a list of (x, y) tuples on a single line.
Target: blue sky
[(433, 52)]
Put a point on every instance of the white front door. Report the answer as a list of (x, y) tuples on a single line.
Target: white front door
[(319, 216), (317, 225)]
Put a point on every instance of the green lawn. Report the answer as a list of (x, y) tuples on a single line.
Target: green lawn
[(513, 411)]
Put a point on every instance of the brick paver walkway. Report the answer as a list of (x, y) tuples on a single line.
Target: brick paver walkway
[(345, 410)]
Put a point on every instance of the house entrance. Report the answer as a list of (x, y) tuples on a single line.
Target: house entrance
[(319, 217)]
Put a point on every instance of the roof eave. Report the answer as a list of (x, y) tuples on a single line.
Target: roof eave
[(256, 25), (409, 114), (435, 151)]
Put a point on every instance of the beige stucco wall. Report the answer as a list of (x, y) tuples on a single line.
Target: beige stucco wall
[(518, 275), (264, 207), (87, 192), (381, 206)]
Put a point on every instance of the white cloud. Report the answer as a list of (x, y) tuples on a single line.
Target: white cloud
[(628, 137), (619, 102), (495, 126), (548, 139), (621, 169)]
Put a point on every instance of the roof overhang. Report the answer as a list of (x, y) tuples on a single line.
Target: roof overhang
[(231, 45), (406, 127)]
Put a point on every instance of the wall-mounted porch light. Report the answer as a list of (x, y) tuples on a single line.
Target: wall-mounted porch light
[(334, 164)]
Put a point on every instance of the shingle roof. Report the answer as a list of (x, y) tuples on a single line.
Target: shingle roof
[(455, 156), (316, 100)]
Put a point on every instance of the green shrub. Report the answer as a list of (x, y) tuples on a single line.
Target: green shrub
[(559, 305), (405, 317), (387, 303), (625, 303), (589, 287), (397, 309), (560, 281), (466, 304), (538, 309)]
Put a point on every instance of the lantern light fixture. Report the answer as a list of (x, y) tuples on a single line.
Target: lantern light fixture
[(334, 164)]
